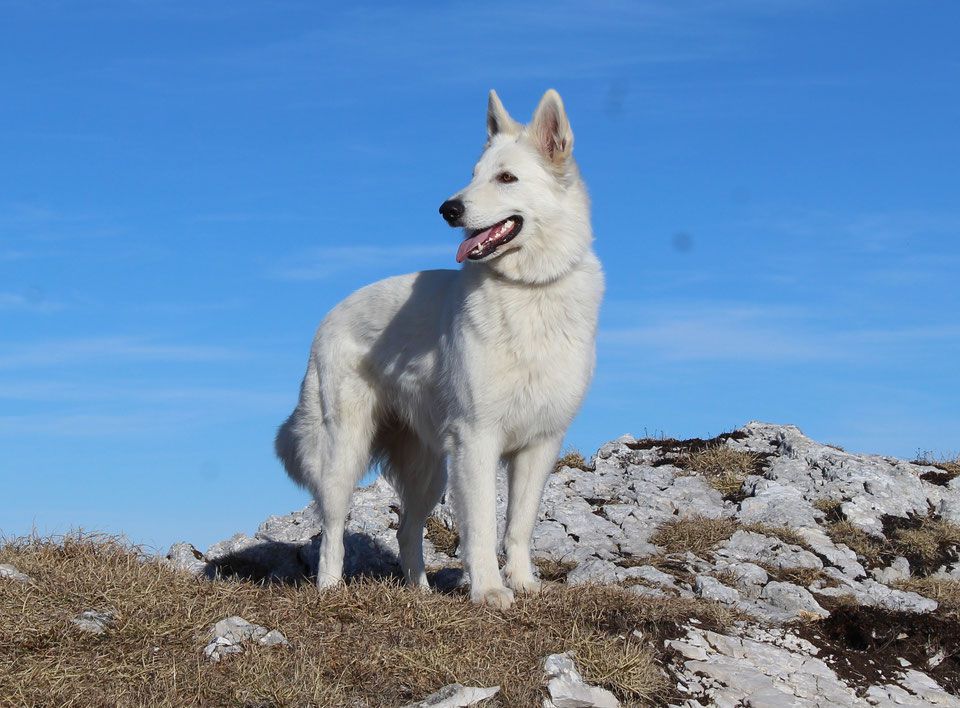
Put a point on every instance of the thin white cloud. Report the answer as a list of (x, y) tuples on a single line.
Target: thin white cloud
[(771, 334), (323, 263), (106, 350), (30, 303), (71, 392)]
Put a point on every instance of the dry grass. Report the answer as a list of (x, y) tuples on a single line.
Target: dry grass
[(445, 540), (926, 542), (784, 533), (365, 644), (574, 459), (924, 545), (553, 570), (870, 548), (696, 534), (949, 464), (830, 508), (945, 592), (724, 468)]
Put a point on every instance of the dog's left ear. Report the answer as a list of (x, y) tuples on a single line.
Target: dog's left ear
[(550, 128), (498, 120)]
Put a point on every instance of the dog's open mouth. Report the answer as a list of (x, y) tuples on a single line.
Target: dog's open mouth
[(482, 242)]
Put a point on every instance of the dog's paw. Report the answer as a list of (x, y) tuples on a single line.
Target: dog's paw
[(326, 581), (522, 582), (501, 598)]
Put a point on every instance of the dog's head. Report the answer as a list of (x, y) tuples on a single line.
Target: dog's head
[(525, 213)]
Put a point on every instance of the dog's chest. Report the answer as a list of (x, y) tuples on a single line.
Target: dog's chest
[(537, 352)]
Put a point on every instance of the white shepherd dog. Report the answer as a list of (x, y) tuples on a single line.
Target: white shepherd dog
[(448, 373)]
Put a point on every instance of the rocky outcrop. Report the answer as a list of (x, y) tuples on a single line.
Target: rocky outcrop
[(804, 531)]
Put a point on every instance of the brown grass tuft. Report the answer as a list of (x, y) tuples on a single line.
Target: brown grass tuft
[(574, 459), (945, 592), (830, 508), (927, 544), (697, 534), (627, 667), (445, 540), (870, 548), (366, 643), (553, 570), (724, 468)]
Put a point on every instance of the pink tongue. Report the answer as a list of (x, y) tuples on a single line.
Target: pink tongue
[(471, 243)]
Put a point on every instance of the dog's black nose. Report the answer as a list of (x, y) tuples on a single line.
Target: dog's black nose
[(452, 211)]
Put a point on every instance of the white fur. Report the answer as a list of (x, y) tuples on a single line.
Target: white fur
[(448, 373)]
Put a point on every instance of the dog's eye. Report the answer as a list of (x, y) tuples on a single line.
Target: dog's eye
[(506, 177)]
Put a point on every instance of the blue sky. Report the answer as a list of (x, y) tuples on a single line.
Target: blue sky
[(188, 187)]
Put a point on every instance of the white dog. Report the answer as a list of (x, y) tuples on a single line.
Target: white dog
[(451, 372)]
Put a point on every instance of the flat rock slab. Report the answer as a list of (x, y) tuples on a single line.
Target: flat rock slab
[(456, 696)]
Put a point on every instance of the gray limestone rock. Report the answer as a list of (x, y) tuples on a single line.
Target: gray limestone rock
[(792, 598), (899, 569), (230, 634), (746, 546), (8, 572), (712, 589), (567, 688), (456, 696), (186, 558)]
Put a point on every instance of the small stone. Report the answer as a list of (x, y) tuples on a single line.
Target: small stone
[(456, 696), (273, 638), (94, 621), (8, 572), (228, 635)]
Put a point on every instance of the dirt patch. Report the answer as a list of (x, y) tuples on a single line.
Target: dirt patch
[(938, 477), (689, 445), (946, 468), (864, 645)]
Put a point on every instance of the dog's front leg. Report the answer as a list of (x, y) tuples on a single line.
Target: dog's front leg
[(473, 462), (528, 469)]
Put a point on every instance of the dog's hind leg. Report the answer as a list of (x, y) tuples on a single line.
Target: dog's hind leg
[(327, 448), (419, 476), (528, 470)]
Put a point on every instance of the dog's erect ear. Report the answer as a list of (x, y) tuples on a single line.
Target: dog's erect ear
[(550, 128), (498, 120)]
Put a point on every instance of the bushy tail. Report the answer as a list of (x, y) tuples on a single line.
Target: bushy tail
[(299, 442)]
